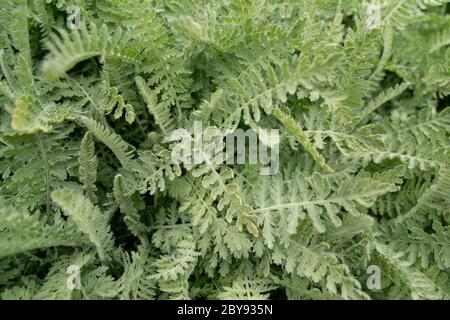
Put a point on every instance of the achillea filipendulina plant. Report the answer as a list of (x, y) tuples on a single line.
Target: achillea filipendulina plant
[(359, 92)]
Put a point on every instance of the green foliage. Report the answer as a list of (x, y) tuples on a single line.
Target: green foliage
[(88, 166), (88, 179), (22, 232), (87, 217), (69, 49), (244, 289), (122, 150)]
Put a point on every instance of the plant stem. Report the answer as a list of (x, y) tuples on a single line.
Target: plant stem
[(47, 172)]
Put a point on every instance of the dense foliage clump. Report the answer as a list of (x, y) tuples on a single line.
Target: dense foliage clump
[(358, 91)]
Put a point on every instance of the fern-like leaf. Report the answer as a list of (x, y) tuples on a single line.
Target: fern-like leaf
[(88, 166), (123, 151), (87, 217), (68, 49)]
